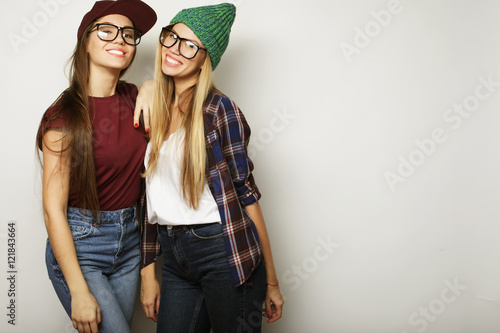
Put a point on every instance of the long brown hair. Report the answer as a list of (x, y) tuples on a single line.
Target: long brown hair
[(73, 107), (193, 168)]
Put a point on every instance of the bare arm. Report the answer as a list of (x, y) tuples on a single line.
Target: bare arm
[(150, 292), (85, 312), (274, 300)]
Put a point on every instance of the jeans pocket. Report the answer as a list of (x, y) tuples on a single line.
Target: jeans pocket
[(207, 232), (80, 229)]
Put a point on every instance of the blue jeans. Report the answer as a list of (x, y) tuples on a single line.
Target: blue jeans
[(109, 256), (197, 291)]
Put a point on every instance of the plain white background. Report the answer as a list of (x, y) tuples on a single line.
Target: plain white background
[(375, 140)]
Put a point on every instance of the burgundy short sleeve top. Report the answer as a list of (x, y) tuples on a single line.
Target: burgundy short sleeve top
[(118, 148)]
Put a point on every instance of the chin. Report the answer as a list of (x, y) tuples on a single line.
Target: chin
[(168, 70), (120, 66)]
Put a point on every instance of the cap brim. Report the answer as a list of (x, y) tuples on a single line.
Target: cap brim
[(142, 16)]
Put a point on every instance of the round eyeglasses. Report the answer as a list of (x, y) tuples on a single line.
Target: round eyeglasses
[(108, 32), (187, 48)]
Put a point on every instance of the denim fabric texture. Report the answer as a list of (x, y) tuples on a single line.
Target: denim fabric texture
[(198, 293), (109, 256)]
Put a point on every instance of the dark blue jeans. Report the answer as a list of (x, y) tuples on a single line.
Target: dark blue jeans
[(197, 291), (109, 256)]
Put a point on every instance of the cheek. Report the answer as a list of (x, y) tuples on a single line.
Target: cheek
[(92, 44), (132, 53), (163, 55), (201, 60)]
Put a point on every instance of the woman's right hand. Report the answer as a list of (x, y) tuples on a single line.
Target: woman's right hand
[(85, 313), (144, 104), (150, 292)]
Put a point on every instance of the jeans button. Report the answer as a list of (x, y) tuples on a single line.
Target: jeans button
[(169, 227)]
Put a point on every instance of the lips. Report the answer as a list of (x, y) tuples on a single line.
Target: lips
[(116, 52), (171, 61)]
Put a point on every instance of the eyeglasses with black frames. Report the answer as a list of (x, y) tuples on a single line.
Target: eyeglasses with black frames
[(187, 48), (108, 32)]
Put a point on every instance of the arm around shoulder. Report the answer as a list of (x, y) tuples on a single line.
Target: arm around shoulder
[(144, 104)]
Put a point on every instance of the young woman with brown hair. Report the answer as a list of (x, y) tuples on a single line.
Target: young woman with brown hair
[(92, 164)]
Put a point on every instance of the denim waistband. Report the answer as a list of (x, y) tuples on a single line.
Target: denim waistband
[(106, 216), (185, 226)]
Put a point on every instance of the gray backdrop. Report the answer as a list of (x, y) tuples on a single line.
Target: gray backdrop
[(375, 140)]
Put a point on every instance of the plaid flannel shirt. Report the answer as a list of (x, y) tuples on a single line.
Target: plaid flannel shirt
[(230, 179)]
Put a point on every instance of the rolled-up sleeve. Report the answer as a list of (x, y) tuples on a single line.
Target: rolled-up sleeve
[(235, 136)]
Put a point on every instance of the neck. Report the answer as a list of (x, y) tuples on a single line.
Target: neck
[(181, 85), (102, 82)]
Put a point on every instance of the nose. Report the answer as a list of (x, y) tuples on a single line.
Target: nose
[(175, 49), (119, 38)]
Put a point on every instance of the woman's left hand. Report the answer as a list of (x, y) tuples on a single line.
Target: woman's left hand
[(144, 104), (274, 304), (150, 292)]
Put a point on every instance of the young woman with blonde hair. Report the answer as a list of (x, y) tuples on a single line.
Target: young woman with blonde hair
[(202, 200)]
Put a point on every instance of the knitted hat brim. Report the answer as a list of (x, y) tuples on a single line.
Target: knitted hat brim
[(212, 25)]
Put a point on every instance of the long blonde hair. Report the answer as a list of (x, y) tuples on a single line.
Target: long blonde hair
[(194, 155)]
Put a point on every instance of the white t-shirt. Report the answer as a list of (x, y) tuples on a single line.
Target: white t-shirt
[(166, 204)]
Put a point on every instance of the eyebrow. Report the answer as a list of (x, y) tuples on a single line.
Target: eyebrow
[(127, 26), (192, 41)]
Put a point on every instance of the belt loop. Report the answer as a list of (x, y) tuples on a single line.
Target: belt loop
[(169, 230)]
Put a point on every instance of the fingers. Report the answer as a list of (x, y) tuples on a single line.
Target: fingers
[(143, 104), (90, 324), (137, 111), (98, 316), (157, 307), (150, 294), (86, 327), (151, 312), (148, 310), (145, 115), (151, 307), (94, 327), (137, 114), (145, 110), (274, 305), (276, 312), (267, 310), (80, 327)]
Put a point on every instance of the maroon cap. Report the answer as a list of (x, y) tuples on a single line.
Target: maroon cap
[(142, 16)]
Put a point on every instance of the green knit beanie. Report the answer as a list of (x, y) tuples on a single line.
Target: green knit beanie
[(212, 25)]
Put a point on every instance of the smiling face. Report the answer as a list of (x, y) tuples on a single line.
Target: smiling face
[(177, 66), (115, 55)]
